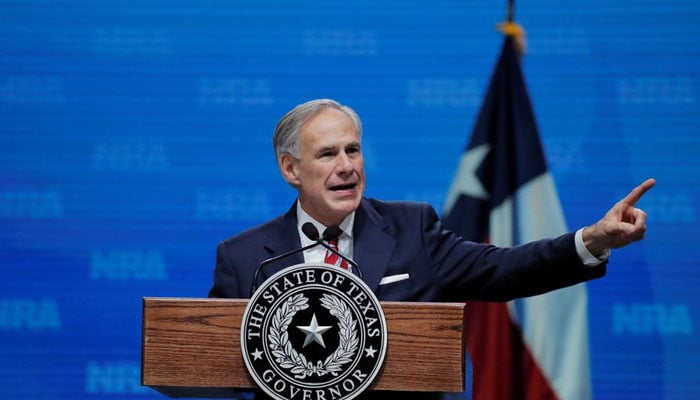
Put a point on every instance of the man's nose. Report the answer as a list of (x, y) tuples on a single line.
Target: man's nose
[(344, 162)]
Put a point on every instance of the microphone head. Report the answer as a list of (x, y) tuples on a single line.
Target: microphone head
[(310, 231), (331, 232)]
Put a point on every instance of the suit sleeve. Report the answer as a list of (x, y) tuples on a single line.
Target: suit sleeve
[(225, 279), (476, 271)]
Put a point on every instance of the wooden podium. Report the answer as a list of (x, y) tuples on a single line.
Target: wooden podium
[(191, 347)]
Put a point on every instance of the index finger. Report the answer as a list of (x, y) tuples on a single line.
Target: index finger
[(633, 197)]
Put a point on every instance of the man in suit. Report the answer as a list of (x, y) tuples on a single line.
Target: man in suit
[(405, 252)]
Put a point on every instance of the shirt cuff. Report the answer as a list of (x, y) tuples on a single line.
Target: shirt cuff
[(586, 257)]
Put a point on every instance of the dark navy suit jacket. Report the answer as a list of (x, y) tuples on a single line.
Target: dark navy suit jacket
[(398, 238)]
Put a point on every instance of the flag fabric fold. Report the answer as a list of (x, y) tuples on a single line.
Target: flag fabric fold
[(503, 193)]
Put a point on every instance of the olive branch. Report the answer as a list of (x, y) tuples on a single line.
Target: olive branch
[(288, 358)]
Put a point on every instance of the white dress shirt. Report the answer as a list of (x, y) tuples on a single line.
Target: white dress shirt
[(588, 259), (317, 254)]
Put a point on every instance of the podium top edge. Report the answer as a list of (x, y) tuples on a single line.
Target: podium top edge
[(457, 305)]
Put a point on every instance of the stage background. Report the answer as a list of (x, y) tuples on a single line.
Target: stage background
[(136, 135)]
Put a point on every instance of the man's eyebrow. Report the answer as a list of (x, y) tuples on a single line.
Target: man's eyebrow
[(324, 149)]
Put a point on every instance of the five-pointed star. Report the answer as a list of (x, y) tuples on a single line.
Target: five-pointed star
[(313, 332), (466, 182), (257, 354), (369, 352)]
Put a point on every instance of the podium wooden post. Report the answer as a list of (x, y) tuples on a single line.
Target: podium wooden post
[(191, 347)]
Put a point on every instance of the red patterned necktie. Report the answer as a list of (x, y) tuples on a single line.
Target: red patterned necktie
[(334, 259)]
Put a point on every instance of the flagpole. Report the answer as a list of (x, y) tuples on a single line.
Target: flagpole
[(510, 28), (510, 11)]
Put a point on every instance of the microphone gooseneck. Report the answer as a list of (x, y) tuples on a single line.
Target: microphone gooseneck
[(311, 232)]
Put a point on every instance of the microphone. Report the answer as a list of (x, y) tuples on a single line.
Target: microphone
[(310, 231)]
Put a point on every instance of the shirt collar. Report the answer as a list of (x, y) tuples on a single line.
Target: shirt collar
[(302, 217)]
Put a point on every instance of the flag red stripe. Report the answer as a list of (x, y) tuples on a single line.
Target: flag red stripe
[(504, 368)]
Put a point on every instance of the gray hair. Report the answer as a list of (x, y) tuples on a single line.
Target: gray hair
[(288, 129)]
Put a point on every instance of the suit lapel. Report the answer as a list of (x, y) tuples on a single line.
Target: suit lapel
[(283, 237), (373, 244)]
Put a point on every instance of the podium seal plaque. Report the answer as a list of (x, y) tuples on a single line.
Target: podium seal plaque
[(313, 331)]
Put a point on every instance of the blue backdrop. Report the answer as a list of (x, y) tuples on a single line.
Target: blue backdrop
[(135, 135)]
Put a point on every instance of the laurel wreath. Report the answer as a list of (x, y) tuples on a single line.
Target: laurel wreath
[(288, 358)]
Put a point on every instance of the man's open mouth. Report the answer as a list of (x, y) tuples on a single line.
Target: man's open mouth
[(347, 186)]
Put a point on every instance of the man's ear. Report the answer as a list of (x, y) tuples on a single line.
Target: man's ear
[(288, 167)]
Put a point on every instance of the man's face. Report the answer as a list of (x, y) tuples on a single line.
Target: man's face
[(330, 174)]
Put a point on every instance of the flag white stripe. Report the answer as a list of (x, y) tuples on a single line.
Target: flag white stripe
[(554, 325)]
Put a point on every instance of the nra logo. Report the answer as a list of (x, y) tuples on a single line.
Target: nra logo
[(130, 155), (30, 315), (31, 89), (442, 93), (127, 265), (114, 378), (659, 90), (132, 41), (652, 318), (229, 205), (31, 204), (340, 42), (674, 206), (235, 91), (563, 42)]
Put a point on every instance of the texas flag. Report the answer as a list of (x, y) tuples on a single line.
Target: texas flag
[(503, 193)]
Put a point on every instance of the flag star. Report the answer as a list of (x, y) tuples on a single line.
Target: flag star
[(466, 182), (257, 354), (314, 332), (369, 352)]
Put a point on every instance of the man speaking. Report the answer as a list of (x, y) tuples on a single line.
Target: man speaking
[(404, 251)]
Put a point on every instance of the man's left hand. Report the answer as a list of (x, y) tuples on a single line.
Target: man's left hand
[(623, 224)]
